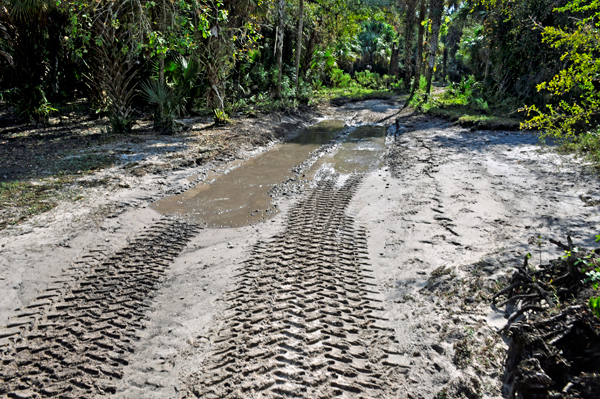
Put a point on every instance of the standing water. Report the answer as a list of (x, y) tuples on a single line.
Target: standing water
[(240, 197)]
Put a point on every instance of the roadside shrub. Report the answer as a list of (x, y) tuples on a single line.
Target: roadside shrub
[(463, 91), (305, 92), (587, 144), (397, 86), (369, 80), (220, 117), (340, 79)]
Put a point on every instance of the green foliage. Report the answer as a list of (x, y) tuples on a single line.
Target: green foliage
[(368, 79), (340, 79), (593, 277), (575, 86), (594, 304), (172, 96), (375, 44), (168, 102), (31, 104), (220, 117), (586, 144)]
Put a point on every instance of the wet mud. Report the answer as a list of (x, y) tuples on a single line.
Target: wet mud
[(243, 195)]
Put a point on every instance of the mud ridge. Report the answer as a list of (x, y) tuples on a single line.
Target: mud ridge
[(303, 322), (73, 340)]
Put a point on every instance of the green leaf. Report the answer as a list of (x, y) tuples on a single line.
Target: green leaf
[(594, 304)]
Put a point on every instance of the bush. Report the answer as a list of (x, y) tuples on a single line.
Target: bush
[(587, 144), (369, 80), (305, 92), (340, 79)]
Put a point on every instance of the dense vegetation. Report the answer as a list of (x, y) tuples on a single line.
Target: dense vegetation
[(225, 56)]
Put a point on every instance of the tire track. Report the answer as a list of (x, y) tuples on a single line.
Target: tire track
[(73, 340), (302, 322)]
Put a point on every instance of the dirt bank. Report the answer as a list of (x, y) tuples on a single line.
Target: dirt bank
[(372, 285)]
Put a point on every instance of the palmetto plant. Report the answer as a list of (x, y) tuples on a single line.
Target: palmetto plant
[(171, 95), (169, 106), (117, 71)]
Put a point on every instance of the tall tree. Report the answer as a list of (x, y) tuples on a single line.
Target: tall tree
[(393, 68), (409, 31), (279, 45), (421, 32), (299, 42), (436, 12)]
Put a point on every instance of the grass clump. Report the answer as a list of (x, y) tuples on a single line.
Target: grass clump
[(20, 200), (351, 93)]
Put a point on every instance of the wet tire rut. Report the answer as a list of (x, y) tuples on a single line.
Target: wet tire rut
[(73, 340), (302, 321)]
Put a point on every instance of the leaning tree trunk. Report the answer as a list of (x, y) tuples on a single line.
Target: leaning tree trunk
[(409, 31), (299, 42), (279, 46), (437, 11), (420, 34)]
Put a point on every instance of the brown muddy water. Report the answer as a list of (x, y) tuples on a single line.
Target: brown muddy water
[(239, 196)]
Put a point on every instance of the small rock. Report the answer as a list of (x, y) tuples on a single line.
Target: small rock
[(24, 394)]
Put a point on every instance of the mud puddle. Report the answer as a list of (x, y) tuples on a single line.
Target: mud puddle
[(361, 151), (240, 196)]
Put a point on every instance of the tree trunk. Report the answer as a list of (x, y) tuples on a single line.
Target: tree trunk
[(437, 11), (161, 69), (299, 42), (445, 63), (279, 47), (420, 34), (409, 30), (393, 68)]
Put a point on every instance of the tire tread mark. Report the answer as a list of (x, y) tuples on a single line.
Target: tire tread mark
[(78, 345), (302, 323)]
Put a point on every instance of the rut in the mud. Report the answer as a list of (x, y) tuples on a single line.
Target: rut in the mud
[(303, 324), (73, 340)]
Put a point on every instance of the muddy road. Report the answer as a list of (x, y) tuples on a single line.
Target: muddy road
[(354, 261)]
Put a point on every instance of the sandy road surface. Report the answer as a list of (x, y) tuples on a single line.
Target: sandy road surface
[(337, 295)]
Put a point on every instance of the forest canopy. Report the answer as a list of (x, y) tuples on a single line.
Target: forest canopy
[(221, 56)]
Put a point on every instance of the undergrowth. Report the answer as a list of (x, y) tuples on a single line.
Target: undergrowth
[(586, 145), (19, 200), (463, 103)]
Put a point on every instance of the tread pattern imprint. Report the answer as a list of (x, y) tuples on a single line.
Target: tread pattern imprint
[(73, 340), (302, 324)]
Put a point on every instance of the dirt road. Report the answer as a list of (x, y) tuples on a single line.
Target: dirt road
[(365, 284)]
